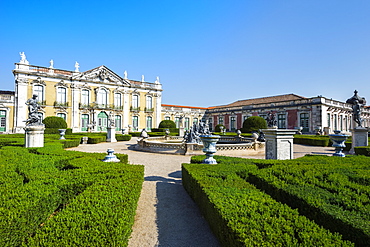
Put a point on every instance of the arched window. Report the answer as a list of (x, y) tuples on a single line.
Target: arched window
[(135, 102), (118, 122), (149, 103), (2, 121), (61, 95), (84, 122), (149, 123), (102, 97), (135, 123), (85, 97), (39, 91), (117, 100)]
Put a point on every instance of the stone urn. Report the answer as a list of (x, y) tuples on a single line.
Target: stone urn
[(209, 147), (62, 133), (338, 140), (111, 157)]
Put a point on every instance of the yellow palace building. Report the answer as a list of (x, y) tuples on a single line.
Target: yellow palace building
[(88, 101)]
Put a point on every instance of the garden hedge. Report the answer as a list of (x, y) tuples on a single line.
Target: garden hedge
[(53, 197), (328, 195)]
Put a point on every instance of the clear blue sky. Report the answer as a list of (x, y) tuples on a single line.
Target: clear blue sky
[(206, 52)]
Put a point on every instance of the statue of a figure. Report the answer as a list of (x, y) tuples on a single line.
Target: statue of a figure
[(144, 134), (111, 120), (271, 119), (357, 113), (357, 102), (23, 58), (157, 80), (125, 75), (33, 107), (77, 66), (51, 64)]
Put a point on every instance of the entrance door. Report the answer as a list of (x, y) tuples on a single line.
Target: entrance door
[(304, 122), (2, 121), (102, 121)]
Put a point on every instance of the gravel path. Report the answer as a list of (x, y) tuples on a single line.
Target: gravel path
[(166, 216)]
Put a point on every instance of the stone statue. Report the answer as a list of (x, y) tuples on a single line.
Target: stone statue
[(23, 58), (125, 75), (33, 107), (357, 102), (77, 66), (157, 80), (144, 134), (142, 78), (193, 134), (271, 119), (51, 64)]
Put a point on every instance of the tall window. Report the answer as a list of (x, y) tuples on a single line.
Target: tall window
[(195, 121), (102, 97), (62, 115), (210, 125), (39, 91), (328, 118), (149, 121), (117, 100), (187, 122), (335, 122), (304, 120), (177, 122), (118, 122), (232, 123), (149, 103), (341, 122), (2, 121), (281, 121), (85, 97), (84, 122), (221, 120), (61, 95), (135, 123), (135, 101)]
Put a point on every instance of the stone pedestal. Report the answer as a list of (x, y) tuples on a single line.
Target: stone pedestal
[(279, 144), (181, 131), (359, 138), (34, 136), (111, 134), (191, 148)]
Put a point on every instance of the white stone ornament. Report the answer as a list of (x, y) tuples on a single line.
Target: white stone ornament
[(77, 66), (23, 58), (125, 75), (51, 64), (157, 80), (142, 78)]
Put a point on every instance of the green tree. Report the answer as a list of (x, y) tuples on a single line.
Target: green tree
[(254, 124), (167, 124), (55, 122)]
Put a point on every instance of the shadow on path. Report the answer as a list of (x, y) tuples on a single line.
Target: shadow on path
[(179, 220)]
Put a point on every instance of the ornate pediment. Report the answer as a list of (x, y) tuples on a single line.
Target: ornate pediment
[(61, 84), (101, 74)]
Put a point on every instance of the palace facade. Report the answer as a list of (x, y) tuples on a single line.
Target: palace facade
[(93, 99), (88, 100)]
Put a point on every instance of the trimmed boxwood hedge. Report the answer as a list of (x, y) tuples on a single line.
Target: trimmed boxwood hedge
[(333, 192), (53, 197)]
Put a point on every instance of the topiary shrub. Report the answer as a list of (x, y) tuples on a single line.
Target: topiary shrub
[(254, 124), (167, 124), (218, 129), (55, 122)]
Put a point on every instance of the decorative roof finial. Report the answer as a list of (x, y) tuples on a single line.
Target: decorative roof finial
[(125, 75), (23, 58), (142, 78), (51, 64), (77, 66), (157, 80)]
